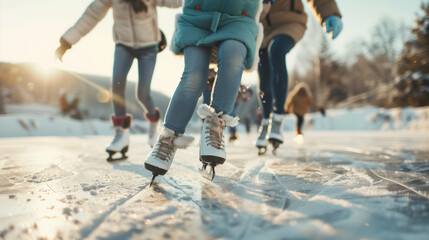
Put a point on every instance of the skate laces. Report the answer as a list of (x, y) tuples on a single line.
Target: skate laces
[(214, 132), (165, 148)]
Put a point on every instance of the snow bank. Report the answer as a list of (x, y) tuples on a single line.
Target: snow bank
[(368, 118), (45, 121), (40, 120), (15, 125)]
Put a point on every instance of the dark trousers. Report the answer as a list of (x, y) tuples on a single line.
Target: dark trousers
[(273, 76), (300, 120)]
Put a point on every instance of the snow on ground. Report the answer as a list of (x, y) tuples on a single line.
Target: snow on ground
[(368, 118), (39, 120), (331, 185)]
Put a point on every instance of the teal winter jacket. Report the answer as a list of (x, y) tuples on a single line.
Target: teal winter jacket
[(207, 22)]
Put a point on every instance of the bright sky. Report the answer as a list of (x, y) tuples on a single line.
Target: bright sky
[(30, 32)]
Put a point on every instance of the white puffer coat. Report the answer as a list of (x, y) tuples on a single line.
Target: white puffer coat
[(131, 29)]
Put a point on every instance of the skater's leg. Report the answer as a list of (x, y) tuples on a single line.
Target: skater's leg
[(146, 64), (193, 81), (121, 66), (231, 59), (278, 49), (265, 93), (299, 123), (207, 95), (265, 90)]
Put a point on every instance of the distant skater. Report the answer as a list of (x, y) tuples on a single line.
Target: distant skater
[(136, 34), (284, 25), (243, 96), (69, 105), (299, 102)]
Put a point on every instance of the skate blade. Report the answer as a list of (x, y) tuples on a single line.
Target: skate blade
[(112, 159), (262, 150), (276, 143), (275, 151), (209, 173), (153, 179)]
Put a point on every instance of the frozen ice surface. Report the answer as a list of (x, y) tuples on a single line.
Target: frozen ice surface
[(331, 185)]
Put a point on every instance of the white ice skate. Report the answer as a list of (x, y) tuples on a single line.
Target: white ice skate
[(212, 142), (153, 126), (275, 137), (121, 140), (161, 157), (262, 142), (152, 133)]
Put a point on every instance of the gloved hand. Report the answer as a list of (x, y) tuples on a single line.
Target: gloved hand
[(333, 25), (59, 53), (322, 111)]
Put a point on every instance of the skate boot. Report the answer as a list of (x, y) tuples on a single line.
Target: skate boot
[(161, 157), (299, 138), (212, 141), (233, 137), (122, 137), (153, 125), (262, 141), (298, 131), (275, 137)]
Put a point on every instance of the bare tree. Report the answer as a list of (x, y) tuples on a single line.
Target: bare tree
[(383, 49)]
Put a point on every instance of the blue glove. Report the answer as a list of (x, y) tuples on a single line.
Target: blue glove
[(333, 25), (267, 1)]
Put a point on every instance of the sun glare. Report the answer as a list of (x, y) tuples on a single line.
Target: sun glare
[(299, 139), (44, 70)]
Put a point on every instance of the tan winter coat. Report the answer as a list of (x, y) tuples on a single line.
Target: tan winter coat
[(289, 18), (131, 29), (298, 104)]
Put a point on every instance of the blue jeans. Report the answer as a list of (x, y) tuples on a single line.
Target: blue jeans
[(273, 77), (231, 57), (124, 57), (207, 94)]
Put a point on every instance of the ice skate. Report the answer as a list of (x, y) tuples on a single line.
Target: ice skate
[(262, 142), (275, 137), (298, 131), (153, 125), (122, 137), (212, 142), (233, 137), (161, 157)]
